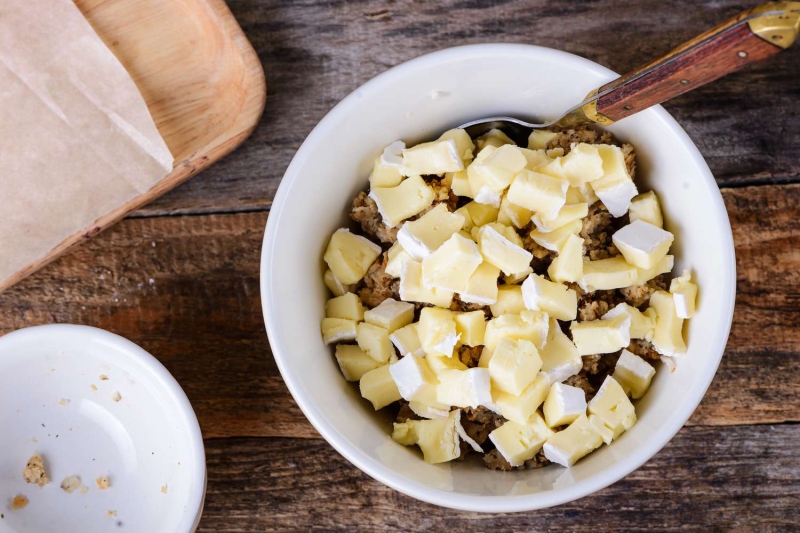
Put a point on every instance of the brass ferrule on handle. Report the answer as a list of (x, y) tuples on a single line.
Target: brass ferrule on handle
[(777, 23)]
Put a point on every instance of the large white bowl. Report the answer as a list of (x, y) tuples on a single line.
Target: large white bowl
[(416, 101)]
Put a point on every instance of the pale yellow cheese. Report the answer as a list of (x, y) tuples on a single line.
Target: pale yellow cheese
[(555, 240), (396, 257), (538, 139), (375, 341), (336, 287), (464, 145), (583, 194), (383, 175), (464, 388), (642, 325), (378, 387), (568, 266), (459, 183), (425, 235), (354, 362), (338, 330), (601, 336), (520, 408), (554, 167), (494, 138), (599, 426), (616, 188), (555, 299), (517, 277), (519, 442), (425, 404), (435, 157), (514, 365), (509, 301), (396, 204), (564, 404), (481, 287), (412, 289), (642, 244), (560, 357), (498, 250), (493, 170), (684, 293), (607, 274), (390, 314), (437, 331), (668, 335), (536, 158), (646, 207), (568, 446), (663, 266), (582, 164), (406, 340), (346, 306), (470, 327), (538, 193), (438, 439), (612, 406), (633, 374), (450, 267), (349, 256), (513, 215), (528, 325), (567, 214), (439, 363), (412, 375), (476, 214)]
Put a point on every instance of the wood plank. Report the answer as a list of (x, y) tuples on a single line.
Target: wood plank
[(726, 479), (186, 289), (315, 53)]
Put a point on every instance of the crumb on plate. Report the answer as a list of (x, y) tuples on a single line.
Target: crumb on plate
[(19, 502), (34, 472), (103, 483), (103, 377), (111, 513), (93, 387), (70, 484), (164, 489), (63, 401), (116, 396)]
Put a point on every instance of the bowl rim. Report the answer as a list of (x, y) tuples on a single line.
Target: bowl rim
[(460, 501), (126, 348)]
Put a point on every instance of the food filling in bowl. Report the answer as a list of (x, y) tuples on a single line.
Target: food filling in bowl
[(506, 301)]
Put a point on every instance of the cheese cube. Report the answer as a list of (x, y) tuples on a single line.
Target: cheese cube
[(378, 387), (436, 157), (412, 289), (384, 176), (520, 408), (513, 215), (528, 325), (514, 365), (405, 433), (642, 244), (599, 426), (421, 237), (554, 167), (438, 439), (517, 277), (554, 299), (470, 327), (498, 250), (506, 231), (563, 405), (395, 260), (406, 340), (684, 293), (509, 301), (633, 374), (519, 442), (349, 256), (568, 266), (437, 331), (426, 406), (395, 204), (439, 363), (567, 214), (668, 335), (642, 325), (346, 306), (476, 214), (411, 374), (391, 315), (612, 406), (607, 274), (560, 357), (665, 265), (459, 183), (450, 267), (616, 188), (538, 139), (464, 145), (464, 388), (556, 239), (647, 208), (481, 288), (338, 330), (582, 164), (568, 446), (334, 285), (392, 158), (494, 138), (375, 341), (354, 362), (538, 192), (583, 194), (601, 336), (493, 170)]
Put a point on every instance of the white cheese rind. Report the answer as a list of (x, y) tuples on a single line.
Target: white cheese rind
[(406, 340), (642, 244), (465, 388), (563, 404), (498, 250), (555, 299), (568, 446), (633, 373), (436, 157), (411, 374), (338, 330), (684, 293)]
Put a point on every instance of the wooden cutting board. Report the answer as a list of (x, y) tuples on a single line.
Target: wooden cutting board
[(201, 80)]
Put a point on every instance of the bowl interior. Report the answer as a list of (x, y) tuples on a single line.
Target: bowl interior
[(54, 402), (417, 101)]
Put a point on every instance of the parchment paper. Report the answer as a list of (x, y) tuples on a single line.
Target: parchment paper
[(76, 138)]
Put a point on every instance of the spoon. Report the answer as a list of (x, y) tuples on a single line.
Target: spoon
[(753, 35)]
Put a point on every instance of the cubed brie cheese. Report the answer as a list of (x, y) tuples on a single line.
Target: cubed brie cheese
[(490, 174), (583, 194), (384, 176), (616, 188), (612, 406), (498, 250), (481, 287), (338, 330), (642, 244), (346, 306), (378, 387), (538, 193), (520, 408), (435, 157), (349, 256), (336, 287), (633, 374), (519, 442), (396, 258), (509, 301), (568, 266), (513, 215), (395, 204), (647, 208), (607, 274), (476, 214), (555, 240), (568, 446), (528, 325), (406, 340), (439, 440), (411, 374), (390, 314), (554, 167), (354, 362), (555, 299), (392, 157), (563, 404), (668, 335), (465, 388), (375, 341), (582, 164), (514, 365), (567, 214), (599, 426), (421, 237), (425, 405), (459, 183), (642, 326), (601, 336), (538, 139), (684, 293), (536, 158), (464, 144), (560, 357), (645, 275), (451, 265), (439, 363), (470, 327), (412, 289), (494, 138), (437, 331), (517, 277)]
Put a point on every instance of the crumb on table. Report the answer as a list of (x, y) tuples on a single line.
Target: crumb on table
[(34, 472), (19, 502)]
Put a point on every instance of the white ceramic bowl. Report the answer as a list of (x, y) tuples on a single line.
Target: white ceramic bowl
[(54, 403), (416, 101)]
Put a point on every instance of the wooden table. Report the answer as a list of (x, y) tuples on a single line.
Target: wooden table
[(180, 277)]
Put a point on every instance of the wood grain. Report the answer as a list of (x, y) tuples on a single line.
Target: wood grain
[(199, 77), (718, 479), (186, 289), (315, 53)]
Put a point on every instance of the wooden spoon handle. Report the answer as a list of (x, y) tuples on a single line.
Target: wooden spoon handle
[(752, 36)]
